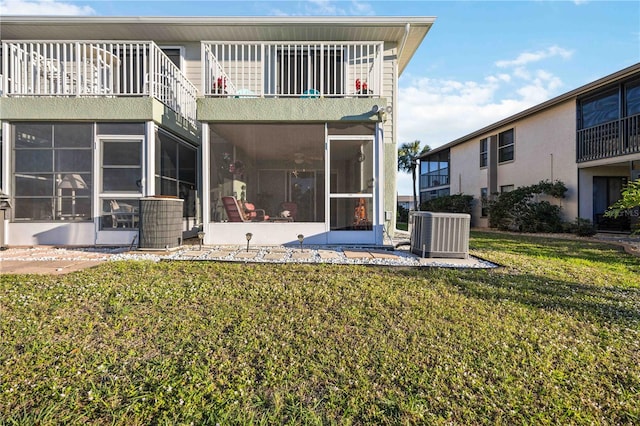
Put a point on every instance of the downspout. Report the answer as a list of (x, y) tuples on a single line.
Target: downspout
[(407, 28)]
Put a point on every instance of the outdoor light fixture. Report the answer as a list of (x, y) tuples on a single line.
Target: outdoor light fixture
[(200, 237), (248, 235), (300, 240)]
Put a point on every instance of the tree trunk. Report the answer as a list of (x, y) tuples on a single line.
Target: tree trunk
[(416, 206)]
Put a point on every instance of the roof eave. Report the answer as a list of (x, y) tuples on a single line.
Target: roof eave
[(609, 79)]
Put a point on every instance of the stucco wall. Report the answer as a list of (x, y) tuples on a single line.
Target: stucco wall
[(544, 150), (101, 109)]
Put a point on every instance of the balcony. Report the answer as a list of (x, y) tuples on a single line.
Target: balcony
[(612, 139), (433, 180), (288, 70), (95, 69)]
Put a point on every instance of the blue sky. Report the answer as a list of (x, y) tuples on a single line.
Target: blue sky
[(481, 62)]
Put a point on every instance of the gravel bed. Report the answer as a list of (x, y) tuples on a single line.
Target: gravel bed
[(309, 255)]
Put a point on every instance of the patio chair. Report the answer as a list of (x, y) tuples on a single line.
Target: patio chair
[(247, 214), (291, 207)]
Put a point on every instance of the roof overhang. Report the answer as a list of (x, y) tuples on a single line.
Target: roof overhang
[(406, 32), (572, 95)]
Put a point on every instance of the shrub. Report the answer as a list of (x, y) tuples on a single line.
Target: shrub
[(402, 215), (519, 210), (628, 205), (582, 227), (458, 203)]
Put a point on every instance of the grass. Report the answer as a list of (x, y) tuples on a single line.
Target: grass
[(554, 337)]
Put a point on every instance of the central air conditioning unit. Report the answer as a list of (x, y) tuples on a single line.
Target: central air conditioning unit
[(160, 223), (440, 234)]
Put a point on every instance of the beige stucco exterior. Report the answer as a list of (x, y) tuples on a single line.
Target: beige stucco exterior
[(545, 149)]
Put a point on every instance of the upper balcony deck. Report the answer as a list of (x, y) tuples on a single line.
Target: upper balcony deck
[(94, 69), (612, 139), (292, 69)]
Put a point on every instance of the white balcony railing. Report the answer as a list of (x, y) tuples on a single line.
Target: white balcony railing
[(292, 69), (104, 68)]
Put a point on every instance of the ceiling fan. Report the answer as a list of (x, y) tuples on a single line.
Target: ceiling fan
[(300, 158)]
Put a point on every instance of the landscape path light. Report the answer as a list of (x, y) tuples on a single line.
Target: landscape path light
[(248, 236)]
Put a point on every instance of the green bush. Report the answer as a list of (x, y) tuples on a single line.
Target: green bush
[(582, 227), (519, 210), (458, 203), (402, 215)]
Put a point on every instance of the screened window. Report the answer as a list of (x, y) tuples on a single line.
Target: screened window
[(279, 169), (122, 166), (176, 170), (53, 171), (484, 152), (506, 188), (506, 146)]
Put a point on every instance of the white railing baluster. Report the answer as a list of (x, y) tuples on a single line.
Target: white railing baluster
[(290, 69)]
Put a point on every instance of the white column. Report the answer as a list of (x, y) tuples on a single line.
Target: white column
[(205, 184), (149, 155)]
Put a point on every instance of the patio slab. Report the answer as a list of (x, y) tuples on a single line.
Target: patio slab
[(357, 254), (328, 254), (246, 255), (49, 267)]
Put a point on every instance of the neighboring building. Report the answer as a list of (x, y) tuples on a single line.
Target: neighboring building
[(406, 201), (588, 138), (294, 115)]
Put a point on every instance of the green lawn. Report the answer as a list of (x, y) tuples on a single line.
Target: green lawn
[(552, 338)]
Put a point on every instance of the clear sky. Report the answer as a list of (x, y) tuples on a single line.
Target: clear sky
[(482, 60)]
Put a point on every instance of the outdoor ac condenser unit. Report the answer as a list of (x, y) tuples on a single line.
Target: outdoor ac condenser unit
[(440, 234), (160, 223)]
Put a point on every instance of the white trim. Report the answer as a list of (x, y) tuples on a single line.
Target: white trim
[(182, 54), (205, 182), (7, 141), (149, 158)]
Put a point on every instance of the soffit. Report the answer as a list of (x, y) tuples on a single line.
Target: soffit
[(193, 29)]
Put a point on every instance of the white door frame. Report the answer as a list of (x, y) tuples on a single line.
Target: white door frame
[(354, 236)]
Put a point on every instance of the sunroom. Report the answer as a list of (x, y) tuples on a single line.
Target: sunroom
[(280, 180)]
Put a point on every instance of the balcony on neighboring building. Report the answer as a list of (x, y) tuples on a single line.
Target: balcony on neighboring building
[(611, 139), (293, 69), (95, 69)]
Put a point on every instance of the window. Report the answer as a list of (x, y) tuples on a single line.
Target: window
[(506, 145), (484, 152), (600, 109), (122, 166), (174, 54), (484, 202), (506, 188), (52, 171), (434, 170), (632, 98)]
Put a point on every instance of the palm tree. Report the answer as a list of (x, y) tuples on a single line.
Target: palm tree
[(408, 154)]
